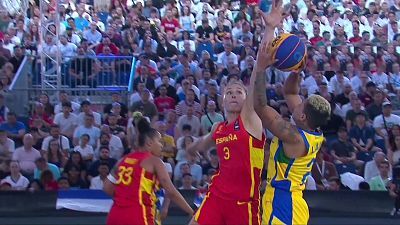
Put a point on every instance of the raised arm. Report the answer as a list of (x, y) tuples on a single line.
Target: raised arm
[(271, 119), (291, 90)]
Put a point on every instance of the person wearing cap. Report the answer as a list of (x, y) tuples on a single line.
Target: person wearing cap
[(383, 123), (86, 110)]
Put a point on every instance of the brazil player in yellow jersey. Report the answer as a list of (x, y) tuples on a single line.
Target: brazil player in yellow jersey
[(295, 145)]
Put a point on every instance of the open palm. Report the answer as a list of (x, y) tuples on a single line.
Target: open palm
[(274, 18)]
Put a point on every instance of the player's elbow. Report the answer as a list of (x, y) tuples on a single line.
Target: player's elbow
[(108, 188)]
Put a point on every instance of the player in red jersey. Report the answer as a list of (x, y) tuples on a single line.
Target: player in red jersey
[(234, 196), (135, 178)]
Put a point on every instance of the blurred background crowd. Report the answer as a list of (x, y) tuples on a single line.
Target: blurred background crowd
[(186, 51)]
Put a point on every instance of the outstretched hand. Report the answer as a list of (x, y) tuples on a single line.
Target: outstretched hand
[(272, 20), (276, 15)]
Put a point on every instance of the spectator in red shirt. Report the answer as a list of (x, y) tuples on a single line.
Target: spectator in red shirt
[(48, 182), (39, 113), (317, 38), (169, 23), (356, 32), (163, 102), (107, 42)]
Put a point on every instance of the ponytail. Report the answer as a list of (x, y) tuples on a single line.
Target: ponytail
[(145, 131)]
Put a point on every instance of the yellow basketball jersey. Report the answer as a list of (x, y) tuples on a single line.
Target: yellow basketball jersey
[(289, 174)]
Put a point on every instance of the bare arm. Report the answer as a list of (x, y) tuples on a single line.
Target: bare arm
[(291, 90), (203, 143), (380, 132), (358, 146), (108, 187), (251, 120), (172, 193)]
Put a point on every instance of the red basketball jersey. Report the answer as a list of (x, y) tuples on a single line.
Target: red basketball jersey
[(135, 186), (241, 161)]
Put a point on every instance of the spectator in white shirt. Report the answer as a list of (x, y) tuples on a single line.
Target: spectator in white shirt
[(191, 167), (112, 141), (187, 180), (394, 79), (73, 38), (359, 82), (338, 82), (85, 149), (62, 140), (92, 35), (17, 181), (190, 119), (27, 155), (384, 122), (48, 46), (63, 98), (96, 183), (371, 167), (311, 82), (86, 110), (67, 49), (7, 146), (227, 56), (66, 120), (380, 78), (87, 128)]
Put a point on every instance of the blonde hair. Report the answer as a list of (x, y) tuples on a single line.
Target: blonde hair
[(237, 82), (317, 110)]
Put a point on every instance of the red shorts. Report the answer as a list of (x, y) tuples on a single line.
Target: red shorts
[(218, 211), (130, 216)]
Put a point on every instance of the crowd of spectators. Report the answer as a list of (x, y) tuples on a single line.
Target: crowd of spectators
[(187, 51)]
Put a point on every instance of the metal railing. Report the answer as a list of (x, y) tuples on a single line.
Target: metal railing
[(84, 77), (89, 72)]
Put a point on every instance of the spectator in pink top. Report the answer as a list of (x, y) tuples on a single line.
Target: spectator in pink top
[(27, 155)]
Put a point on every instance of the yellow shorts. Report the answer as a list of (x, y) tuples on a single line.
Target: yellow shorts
[(283, 207)]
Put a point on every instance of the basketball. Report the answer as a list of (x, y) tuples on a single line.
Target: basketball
[(288, 51)]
